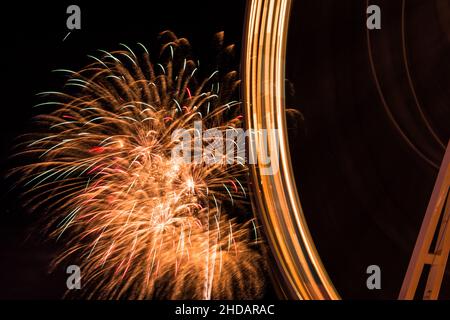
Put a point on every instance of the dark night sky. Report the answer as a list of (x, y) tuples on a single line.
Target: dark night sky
[(34, 36), (363, 190)]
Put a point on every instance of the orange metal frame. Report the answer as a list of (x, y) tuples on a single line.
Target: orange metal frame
[(438, 210)]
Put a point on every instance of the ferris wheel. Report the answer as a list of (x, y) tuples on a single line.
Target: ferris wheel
[(268, 36)]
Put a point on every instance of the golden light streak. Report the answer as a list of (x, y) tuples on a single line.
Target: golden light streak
[(276, 197)]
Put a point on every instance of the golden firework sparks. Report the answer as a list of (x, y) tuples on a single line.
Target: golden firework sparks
[(141, 223)]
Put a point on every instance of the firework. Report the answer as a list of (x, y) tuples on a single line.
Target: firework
[(140, 223)]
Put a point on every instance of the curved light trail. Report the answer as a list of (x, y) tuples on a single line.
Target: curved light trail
[(302, 274)]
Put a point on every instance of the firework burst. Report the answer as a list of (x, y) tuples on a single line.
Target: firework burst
[(140, 223)]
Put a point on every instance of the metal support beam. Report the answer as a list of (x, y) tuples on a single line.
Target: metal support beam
[(438, 210)]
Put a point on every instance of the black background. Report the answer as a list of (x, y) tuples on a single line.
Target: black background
[(32, 47), (364, 191)]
